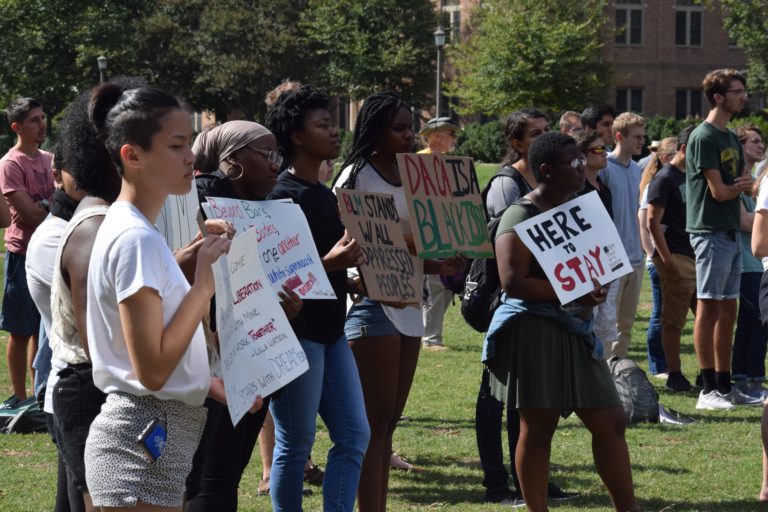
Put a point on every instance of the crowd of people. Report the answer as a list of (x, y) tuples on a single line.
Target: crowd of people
[(118, 331)]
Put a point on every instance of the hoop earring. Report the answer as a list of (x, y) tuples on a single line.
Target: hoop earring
[(235, 171)]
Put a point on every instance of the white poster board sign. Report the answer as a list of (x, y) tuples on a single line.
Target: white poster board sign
[(177, 221), (287, 251), (259, 351), (574, 243)]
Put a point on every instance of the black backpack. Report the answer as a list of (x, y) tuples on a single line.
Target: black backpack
[(638, 396), (482, 285)]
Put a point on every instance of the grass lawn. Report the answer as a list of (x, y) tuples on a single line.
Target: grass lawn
[(713, 465)]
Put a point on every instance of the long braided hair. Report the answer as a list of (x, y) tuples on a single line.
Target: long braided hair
[(377, 112)]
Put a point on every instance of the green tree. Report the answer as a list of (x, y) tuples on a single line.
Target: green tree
[(362, 46), (528, 52), (746, 22)]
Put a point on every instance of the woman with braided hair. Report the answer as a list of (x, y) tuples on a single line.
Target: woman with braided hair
[(385, 338), (302, 125)]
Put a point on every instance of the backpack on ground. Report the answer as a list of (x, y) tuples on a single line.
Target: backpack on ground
[(638, 396), (482, 286), (22, 417)]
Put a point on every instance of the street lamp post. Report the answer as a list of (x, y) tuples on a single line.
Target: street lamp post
[(102, 62), (440, 43)]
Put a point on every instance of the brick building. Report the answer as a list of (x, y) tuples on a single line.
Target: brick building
[(660, 51)]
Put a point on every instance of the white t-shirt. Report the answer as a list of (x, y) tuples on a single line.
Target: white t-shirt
[(41, 253), (762, 204), (409, 320), (129, 254)]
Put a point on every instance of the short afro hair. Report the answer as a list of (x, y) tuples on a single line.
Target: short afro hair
[(288, 114), (545, 149)]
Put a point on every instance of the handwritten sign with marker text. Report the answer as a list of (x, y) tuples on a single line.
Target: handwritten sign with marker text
[(284, 242), (574, 243), (446, 212), (259, 351), (177, 221), (389, 272)]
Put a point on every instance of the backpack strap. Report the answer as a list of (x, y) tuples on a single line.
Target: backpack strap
[(507, 172)]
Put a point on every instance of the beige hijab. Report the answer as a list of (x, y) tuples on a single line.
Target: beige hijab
[(213, 146)]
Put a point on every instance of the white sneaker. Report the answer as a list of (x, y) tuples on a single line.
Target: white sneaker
[(736, 397), (714, 400)]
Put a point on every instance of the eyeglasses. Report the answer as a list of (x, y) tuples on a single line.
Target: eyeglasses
[(598, 150), (739, 92), (273, 156), (577, 163)]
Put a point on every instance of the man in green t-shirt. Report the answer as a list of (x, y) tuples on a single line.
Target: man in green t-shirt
[(714, 180)]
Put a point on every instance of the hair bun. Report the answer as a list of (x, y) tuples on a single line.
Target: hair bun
[(103, 98)]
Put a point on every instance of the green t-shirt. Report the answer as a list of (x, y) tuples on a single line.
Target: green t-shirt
[(710, 148)]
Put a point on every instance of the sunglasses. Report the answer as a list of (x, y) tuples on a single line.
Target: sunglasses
[(273, 156), (576, 163), (598, 150)]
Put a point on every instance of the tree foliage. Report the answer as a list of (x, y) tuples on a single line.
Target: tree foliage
[(528, 52), (746, 22), (362, 46)]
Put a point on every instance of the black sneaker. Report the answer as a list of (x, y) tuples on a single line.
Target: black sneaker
[(557, 494), (506, 497), (678, 383), (11, 403)]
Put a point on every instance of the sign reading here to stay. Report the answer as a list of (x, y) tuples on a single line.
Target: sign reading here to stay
[(574, 243), (446, 211)]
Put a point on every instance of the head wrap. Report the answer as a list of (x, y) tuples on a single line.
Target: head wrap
[(213, 146)]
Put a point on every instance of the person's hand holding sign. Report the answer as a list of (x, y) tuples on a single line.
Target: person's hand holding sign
[(347, 253), (290, 301), (216, 391), (596, 296)]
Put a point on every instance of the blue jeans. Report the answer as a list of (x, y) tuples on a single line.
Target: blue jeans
[(331, 387), (750, 339), (657, 363)]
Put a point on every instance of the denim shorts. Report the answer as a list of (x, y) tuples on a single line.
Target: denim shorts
[(366, 319), (19, 313), (718, 264)]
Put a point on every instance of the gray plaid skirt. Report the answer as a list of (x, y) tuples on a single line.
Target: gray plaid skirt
[(118, 471)]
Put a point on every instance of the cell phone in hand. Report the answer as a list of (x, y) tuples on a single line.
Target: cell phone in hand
[(153, 439)]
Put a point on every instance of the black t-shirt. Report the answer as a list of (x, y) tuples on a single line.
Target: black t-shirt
[(604, 193), (667, 189), (321, 321)]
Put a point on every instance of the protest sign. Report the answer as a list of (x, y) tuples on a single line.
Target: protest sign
[(259, 351), (389, 273), (574, 243), (446, 211), (287, 250), (177, 221)]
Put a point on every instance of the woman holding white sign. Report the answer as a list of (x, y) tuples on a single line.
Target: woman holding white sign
[(143, 318), (542, 357), (385, 338)]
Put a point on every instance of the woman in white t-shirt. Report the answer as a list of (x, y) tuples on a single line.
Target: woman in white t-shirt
[(144, 333), (385, 339)]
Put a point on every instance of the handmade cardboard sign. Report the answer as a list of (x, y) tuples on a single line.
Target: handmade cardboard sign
[(446, 212), (574, 243), (259, 351), (389, 273), (177, 221), (286, 248)]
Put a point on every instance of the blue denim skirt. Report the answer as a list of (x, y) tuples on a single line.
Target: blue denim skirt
[(367, 319)]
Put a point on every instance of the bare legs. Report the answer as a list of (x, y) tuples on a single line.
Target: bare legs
[(19, 355)]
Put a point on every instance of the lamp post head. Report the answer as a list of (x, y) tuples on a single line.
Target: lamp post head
[(439, 37), (102, 62)]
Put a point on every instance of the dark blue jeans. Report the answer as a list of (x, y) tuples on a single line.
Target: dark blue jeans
[(657, 363), (750, 339), (488, 415)]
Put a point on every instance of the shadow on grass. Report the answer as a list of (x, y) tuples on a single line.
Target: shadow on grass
[(432, 423), (745, 505)]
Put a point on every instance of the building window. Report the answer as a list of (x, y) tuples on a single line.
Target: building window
[(629, 100), (629, 22), (688, 103), (452, 8), (688, 23)]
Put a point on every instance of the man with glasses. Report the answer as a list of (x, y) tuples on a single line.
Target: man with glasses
[(714, 180), (570, 124), (613, 324)]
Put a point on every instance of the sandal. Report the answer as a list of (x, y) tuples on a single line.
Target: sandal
[(397, 462), (313, 475), (263, 488)]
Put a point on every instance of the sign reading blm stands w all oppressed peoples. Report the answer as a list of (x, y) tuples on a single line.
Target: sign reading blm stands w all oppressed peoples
[(371, 219), (286, 248), (446, 212), (574, 243), (259, 351)]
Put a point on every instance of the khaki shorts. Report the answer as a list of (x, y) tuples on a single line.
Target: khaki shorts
[(678, 289)]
